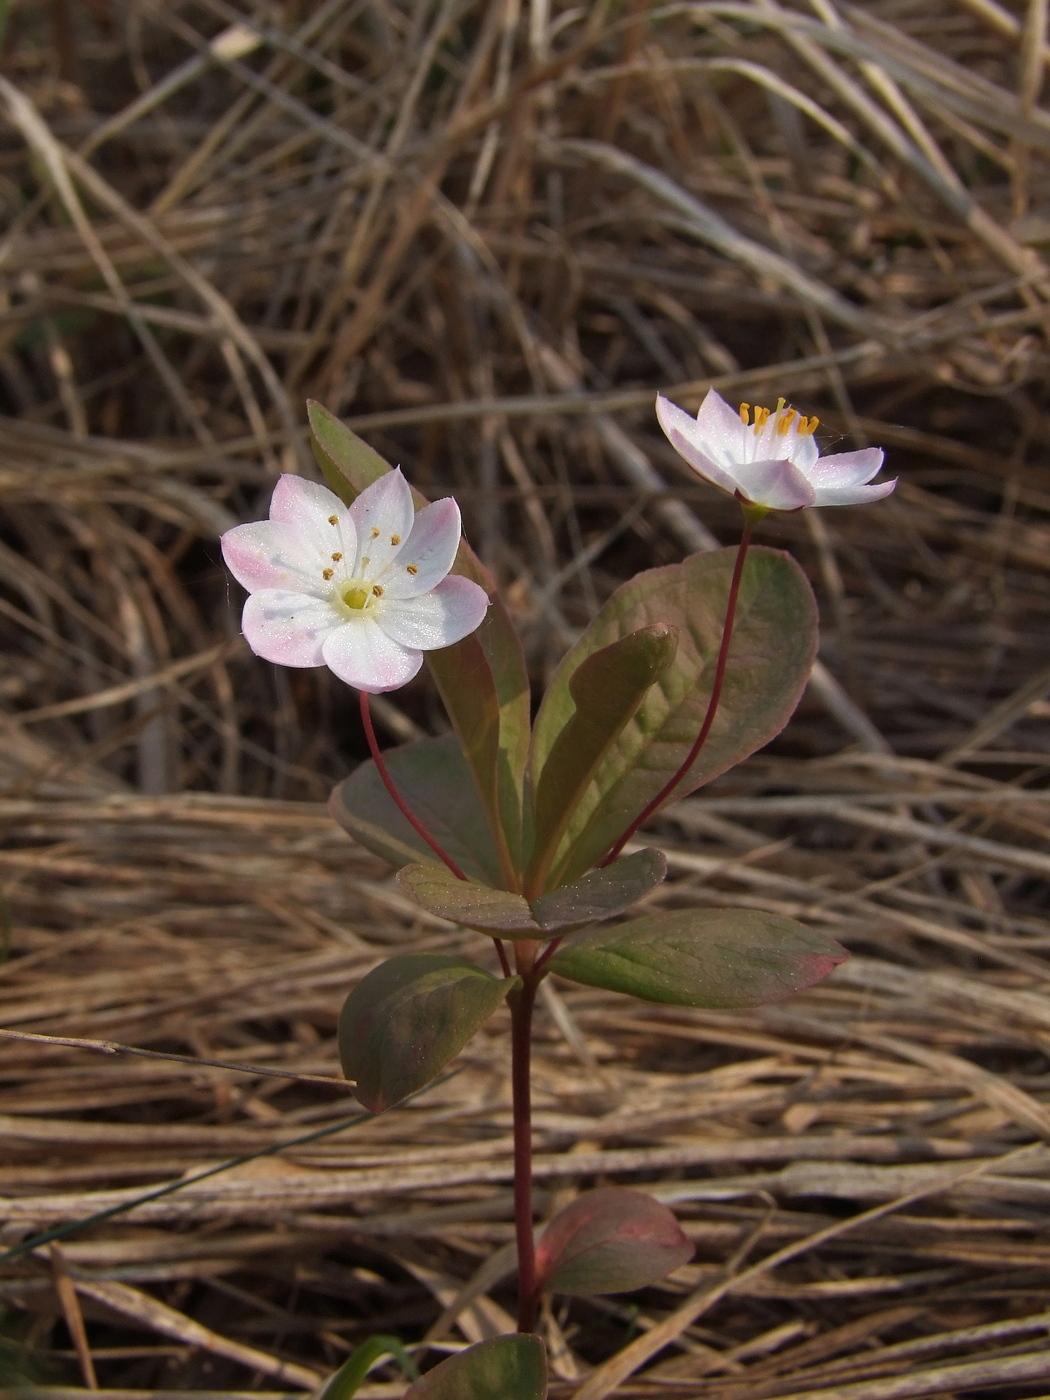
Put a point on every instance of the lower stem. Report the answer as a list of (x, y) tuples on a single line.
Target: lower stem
[(522, 1003), (399, 802), (712, 705)]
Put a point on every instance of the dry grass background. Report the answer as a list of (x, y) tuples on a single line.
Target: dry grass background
[(484, 234)]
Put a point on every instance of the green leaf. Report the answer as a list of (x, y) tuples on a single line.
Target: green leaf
[(602, 893), (344, 1383), (436, 889), (402, 1023), (484, 685), (724, 958), (482, 680), (772, 651), (505, 1368), (606, 689), (610, 1241), (433, 778), (597, 896), (346, 461)]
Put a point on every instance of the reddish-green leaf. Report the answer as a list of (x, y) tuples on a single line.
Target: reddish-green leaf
[(482, 680), (599, 895), (436, 889), (433, 778), (606, 689), (772, 652), (610, 1241), (408, 1018), (347, 461), (505, 1368), (725, 958), (602, 893)]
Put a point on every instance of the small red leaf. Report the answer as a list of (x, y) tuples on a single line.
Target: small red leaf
[(610, 1241)]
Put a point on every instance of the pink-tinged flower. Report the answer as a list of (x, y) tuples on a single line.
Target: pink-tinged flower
[(769, 458), (363, 589)]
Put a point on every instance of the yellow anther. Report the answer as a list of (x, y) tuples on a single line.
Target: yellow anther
[(327, 574), (337, 557), (784, 421), (374, 532), (377, 592), (808, 426), (333, 520), (412, 568), (395, 539), (743, 413), (761, 417)]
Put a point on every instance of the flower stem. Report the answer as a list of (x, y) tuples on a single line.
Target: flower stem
[(398, 800), (522, 1001), (712, 704)]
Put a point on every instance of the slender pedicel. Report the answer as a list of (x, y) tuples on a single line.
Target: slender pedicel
[(712, 704), (521, 1002), (398, 800)]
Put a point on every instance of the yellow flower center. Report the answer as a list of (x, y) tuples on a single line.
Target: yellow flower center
[(355, 595)]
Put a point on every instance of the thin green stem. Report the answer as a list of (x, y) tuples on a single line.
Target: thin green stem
[(712, 705), (396, 798)]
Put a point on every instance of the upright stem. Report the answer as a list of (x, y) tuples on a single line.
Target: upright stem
[(398, 800), (712, 704), (522, 1002)]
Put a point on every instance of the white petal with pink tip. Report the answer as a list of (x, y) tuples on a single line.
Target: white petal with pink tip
[(769, 459)]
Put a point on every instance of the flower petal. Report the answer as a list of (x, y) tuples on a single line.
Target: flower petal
[(721, 430), (362, 654), (779, 485), (802, 449), (288, 628), (309, 507), (383, 515), (446, 614), (429, 551), (853, 495), (687, 438), (265, 554), (847, 468)]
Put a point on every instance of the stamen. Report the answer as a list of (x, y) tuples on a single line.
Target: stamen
[(761, 418), (374, 532), (337, 557), (743, 413), (377, 592), (333, 520), (395, 539), (808, 426), (412, 568), (784, 421), (327, 574)]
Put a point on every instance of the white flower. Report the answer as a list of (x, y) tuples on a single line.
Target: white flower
[(767, 458), (363, 589)]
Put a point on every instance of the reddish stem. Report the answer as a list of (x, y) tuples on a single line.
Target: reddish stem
[(522, 1002), (501, 953), (712, 704), (398, 800)]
